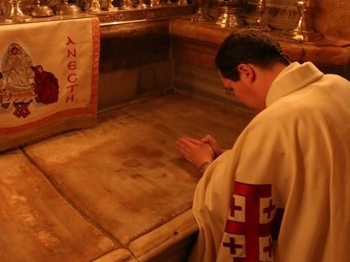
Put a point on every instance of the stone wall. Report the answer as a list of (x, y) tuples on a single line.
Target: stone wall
[(134, 62), (332, 18)]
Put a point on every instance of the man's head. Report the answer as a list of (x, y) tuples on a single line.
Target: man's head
[(248, 47), (248, 62)]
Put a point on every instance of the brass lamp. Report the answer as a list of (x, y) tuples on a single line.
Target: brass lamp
[(41, 10), (66, 8), (229, 13)]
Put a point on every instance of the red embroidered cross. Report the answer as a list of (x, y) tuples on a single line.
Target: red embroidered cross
[(269, 248), (269, 209), (232, 245), (251, 229), (22, 109), (234, 208)]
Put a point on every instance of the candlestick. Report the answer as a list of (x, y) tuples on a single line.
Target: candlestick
[(127, 5), (260, 23), (155, 3), (95, 7), (142, 4), (199, 16), (16, 15), (304, 29)]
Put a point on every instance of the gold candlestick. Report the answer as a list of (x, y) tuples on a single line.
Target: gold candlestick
[(260, 23), (95, 7), (155, 3), (304, 29), (142, 5), (127, 5), (199, 16), (16, 15)]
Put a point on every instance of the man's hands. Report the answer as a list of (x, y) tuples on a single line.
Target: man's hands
[(199, 151), (214, 145)]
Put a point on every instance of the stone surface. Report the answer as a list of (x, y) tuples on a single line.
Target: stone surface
[(117, 192), (37, 223), (164, 12)]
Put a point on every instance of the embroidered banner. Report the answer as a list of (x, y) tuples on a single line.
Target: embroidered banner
[(48, 79)]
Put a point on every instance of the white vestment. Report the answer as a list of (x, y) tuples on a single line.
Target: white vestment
[(293, 157)]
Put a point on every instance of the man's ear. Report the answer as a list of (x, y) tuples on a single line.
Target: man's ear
[(246, 72)]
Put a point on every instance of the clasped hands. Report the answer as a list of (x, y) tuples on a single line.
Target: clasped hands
[(198, 152)]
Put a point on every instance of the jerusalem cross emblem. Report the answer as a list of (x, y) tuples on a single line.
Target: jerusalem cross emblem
[(248, 227)]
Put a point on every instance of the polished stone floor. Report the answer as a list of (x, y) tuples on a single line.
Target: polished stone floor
[(117, 192)]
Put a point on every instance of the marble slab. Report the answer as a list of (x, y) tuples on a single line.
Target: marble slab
[(126, 176), (38, 223)]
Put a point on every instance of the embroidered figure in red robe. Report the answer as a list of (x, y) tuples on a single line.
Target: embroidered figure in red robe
[(46, 85)]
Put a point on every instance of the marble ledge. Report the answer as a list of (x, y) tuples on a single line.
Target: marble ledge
[(165, 12), (150, 245), (328, 51), (118, 24), (131, 30)]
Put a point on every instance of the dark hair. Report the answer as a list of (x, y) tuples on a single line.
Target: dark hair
[(248, 46)]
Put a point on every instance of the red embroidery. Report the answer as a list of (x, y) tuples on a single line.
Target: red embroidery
[(21, 109), (251, 229), (269, 209), (234, 207), (232, 245)]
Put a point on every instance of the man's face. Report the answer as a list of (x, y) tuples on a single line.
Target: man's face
[(242, 89), (236, 87)]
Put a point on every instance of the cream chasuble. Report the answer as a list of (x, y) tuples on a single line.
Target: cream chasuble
[(288, 172)]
